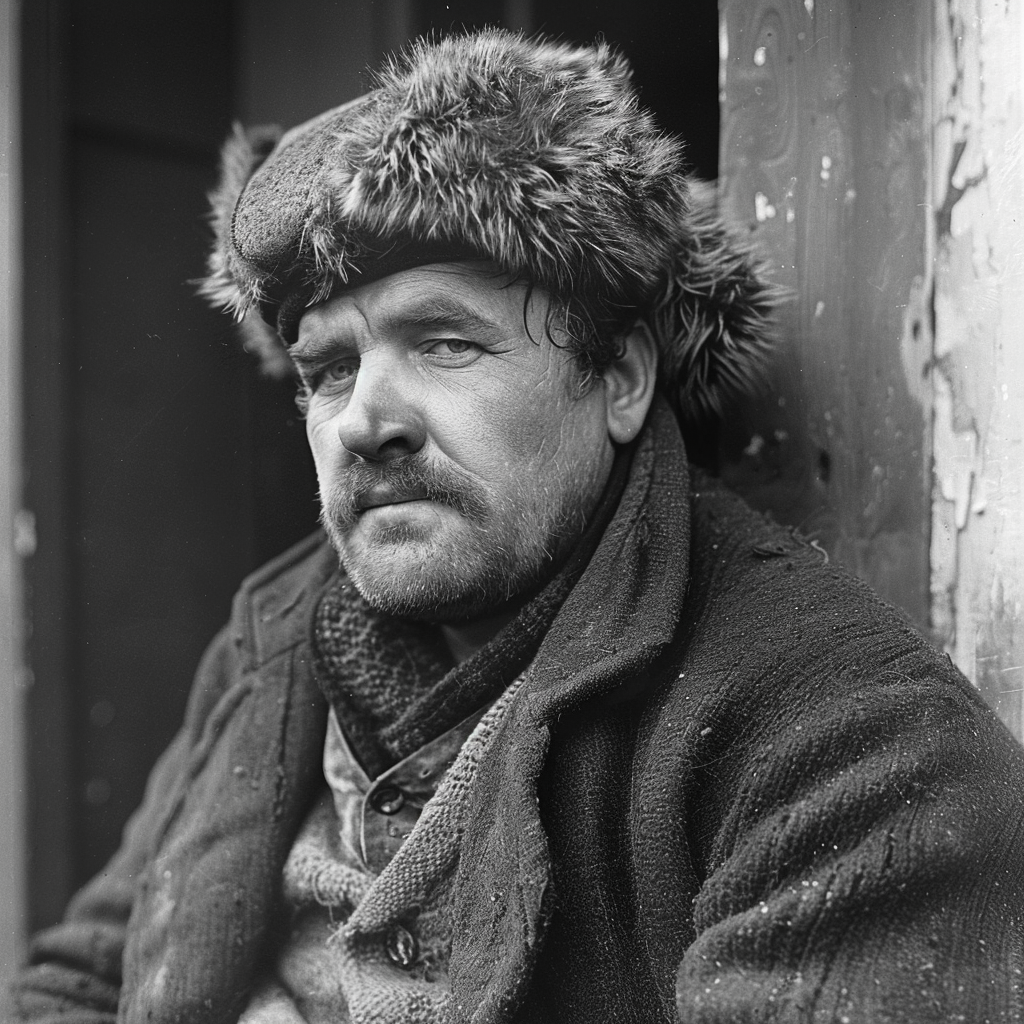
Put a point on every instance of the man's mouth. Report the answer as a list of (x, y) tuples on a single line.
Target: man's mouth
[(404, 481), (382, 494)]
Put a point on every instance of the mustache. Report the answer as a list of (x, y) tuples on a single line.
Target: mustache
[(407, 476)]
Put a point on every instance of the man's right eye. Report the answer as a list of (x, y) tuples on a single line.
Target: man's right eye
[(333, 376), (340, 371)]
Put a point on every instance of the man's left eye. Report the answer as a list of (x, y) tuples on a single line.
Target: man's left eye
[(451, 346)]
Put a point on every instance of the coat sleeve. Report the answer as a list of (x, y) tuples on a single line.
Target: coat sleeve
[(73, 974), (866, 864)]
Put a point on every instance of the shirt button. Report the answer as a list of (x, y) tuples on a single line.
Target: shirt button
[(387, 800), (401, 946)]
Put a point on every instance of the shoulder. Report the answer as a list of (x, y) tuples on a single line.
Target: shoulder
[(767, 582), (273, 607), (790, 676), (784, 631), (271, 615)]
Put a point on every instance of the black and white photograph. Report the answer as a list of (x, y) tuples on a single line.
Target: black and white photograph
[(513, 512)]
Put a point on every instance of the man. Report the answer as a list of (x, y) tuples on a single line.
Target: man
[(549, 728)]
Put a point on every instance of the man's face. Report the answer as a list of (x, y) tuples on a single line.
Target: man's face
[(458, 456)]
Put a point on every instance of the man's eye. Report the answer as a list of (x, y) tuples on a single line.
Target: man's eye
[(451, 347), (327, 378), (338, 373)]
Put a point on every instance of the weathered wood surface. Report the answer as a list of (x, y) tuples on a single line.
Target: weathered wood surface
[(12, 709), (875, 150), (977, 549), (824, 157)]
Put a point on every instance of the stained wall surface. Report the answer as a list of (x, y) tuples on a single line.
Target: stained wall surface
[(977, 208)]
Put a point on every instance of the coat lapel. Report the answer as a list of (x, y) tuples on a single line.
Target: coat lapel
[(609, 633), (200, 922)]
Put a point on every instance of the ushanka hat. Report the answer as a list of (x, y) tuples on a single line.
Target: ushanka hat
[(533, 155)]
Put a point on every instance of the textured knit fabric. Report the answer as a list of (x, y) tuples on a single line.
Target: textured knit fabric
[(373, 817), (729, 788), (345, 842), (372, 669)]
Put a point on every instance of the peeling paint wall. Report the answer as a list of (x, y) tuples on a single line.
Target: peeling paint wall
[(977, 541)]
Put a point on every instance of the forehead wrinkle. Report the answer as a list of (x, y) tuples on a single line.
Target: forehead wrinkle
[(322, 328), (431, 312), (435, 312)]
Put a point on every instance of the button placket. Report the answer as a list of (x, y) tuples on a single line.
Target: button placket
[(375, 817), (389, 814)]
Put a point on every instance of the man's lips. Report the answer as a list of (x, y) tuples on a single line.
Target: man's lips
[(381, 495)]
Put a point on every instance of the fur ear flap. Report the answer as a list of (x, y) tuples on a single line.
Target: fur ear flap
[(259, 339), (242, 155), (244, 152), (712, 319)]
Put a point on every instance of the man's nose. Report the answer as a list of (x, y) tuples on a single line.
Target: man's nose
[(382, 418)]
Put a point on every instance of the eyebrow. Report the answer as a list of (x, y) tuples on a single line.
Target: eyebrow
[(435, 312)]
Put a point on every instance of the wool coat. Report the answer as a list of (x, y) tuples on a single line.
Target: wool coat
[(732, 786)]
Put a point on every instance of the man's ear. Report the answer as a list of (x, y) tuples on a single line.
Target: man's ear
[(629, 384)]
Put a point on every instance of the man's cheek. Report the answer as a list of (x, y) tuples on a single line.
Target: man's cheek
[(500, 418), (536, 437), (323, 444), (524, 434)]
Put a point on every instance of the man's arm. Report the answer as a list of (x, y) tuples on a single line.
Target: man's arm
[(870, 869), (73, 973)]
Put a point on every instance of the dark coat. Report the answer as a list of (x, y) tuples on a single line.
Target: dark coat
[(734, 786)]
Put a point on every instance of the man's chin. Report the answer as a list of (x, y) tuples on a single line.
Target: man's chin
[(429, 580), (420, 597), (397, 540)]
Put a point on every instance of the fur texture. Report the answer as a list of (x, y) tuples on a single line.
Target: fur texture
[(534, 154)]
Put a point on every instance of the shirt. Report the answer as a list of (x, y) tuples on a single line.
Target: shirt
[(354, 829)]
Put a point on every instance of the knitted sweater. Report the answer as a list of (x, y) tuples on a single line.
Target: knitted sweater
[(732, 786), (334, 868)]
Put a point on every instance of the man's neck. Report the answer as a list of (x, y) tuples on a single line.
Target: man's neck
[(467, 638)]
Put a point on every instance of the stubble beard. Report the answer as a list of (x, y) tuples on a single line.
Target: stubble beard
[(501, 548)]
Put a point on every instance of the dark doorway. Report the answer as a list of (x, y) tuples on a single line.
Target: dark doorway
[(673, 48)]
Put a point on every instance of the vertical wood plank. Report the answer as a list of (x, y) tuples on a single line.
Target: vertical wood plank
[(824, 160), (46, 391), (977, 545), (12, 722)]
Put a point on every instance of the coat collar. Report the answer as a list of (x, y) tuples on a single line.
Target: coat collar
[(626, 606), (621, 616)]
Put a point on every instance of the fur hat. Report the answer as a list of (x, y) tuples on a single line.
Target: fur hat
[(532, 154)]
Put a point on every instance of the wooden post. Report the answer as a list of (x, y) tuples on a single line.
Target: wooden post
[(12, 671), (876, 150)]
